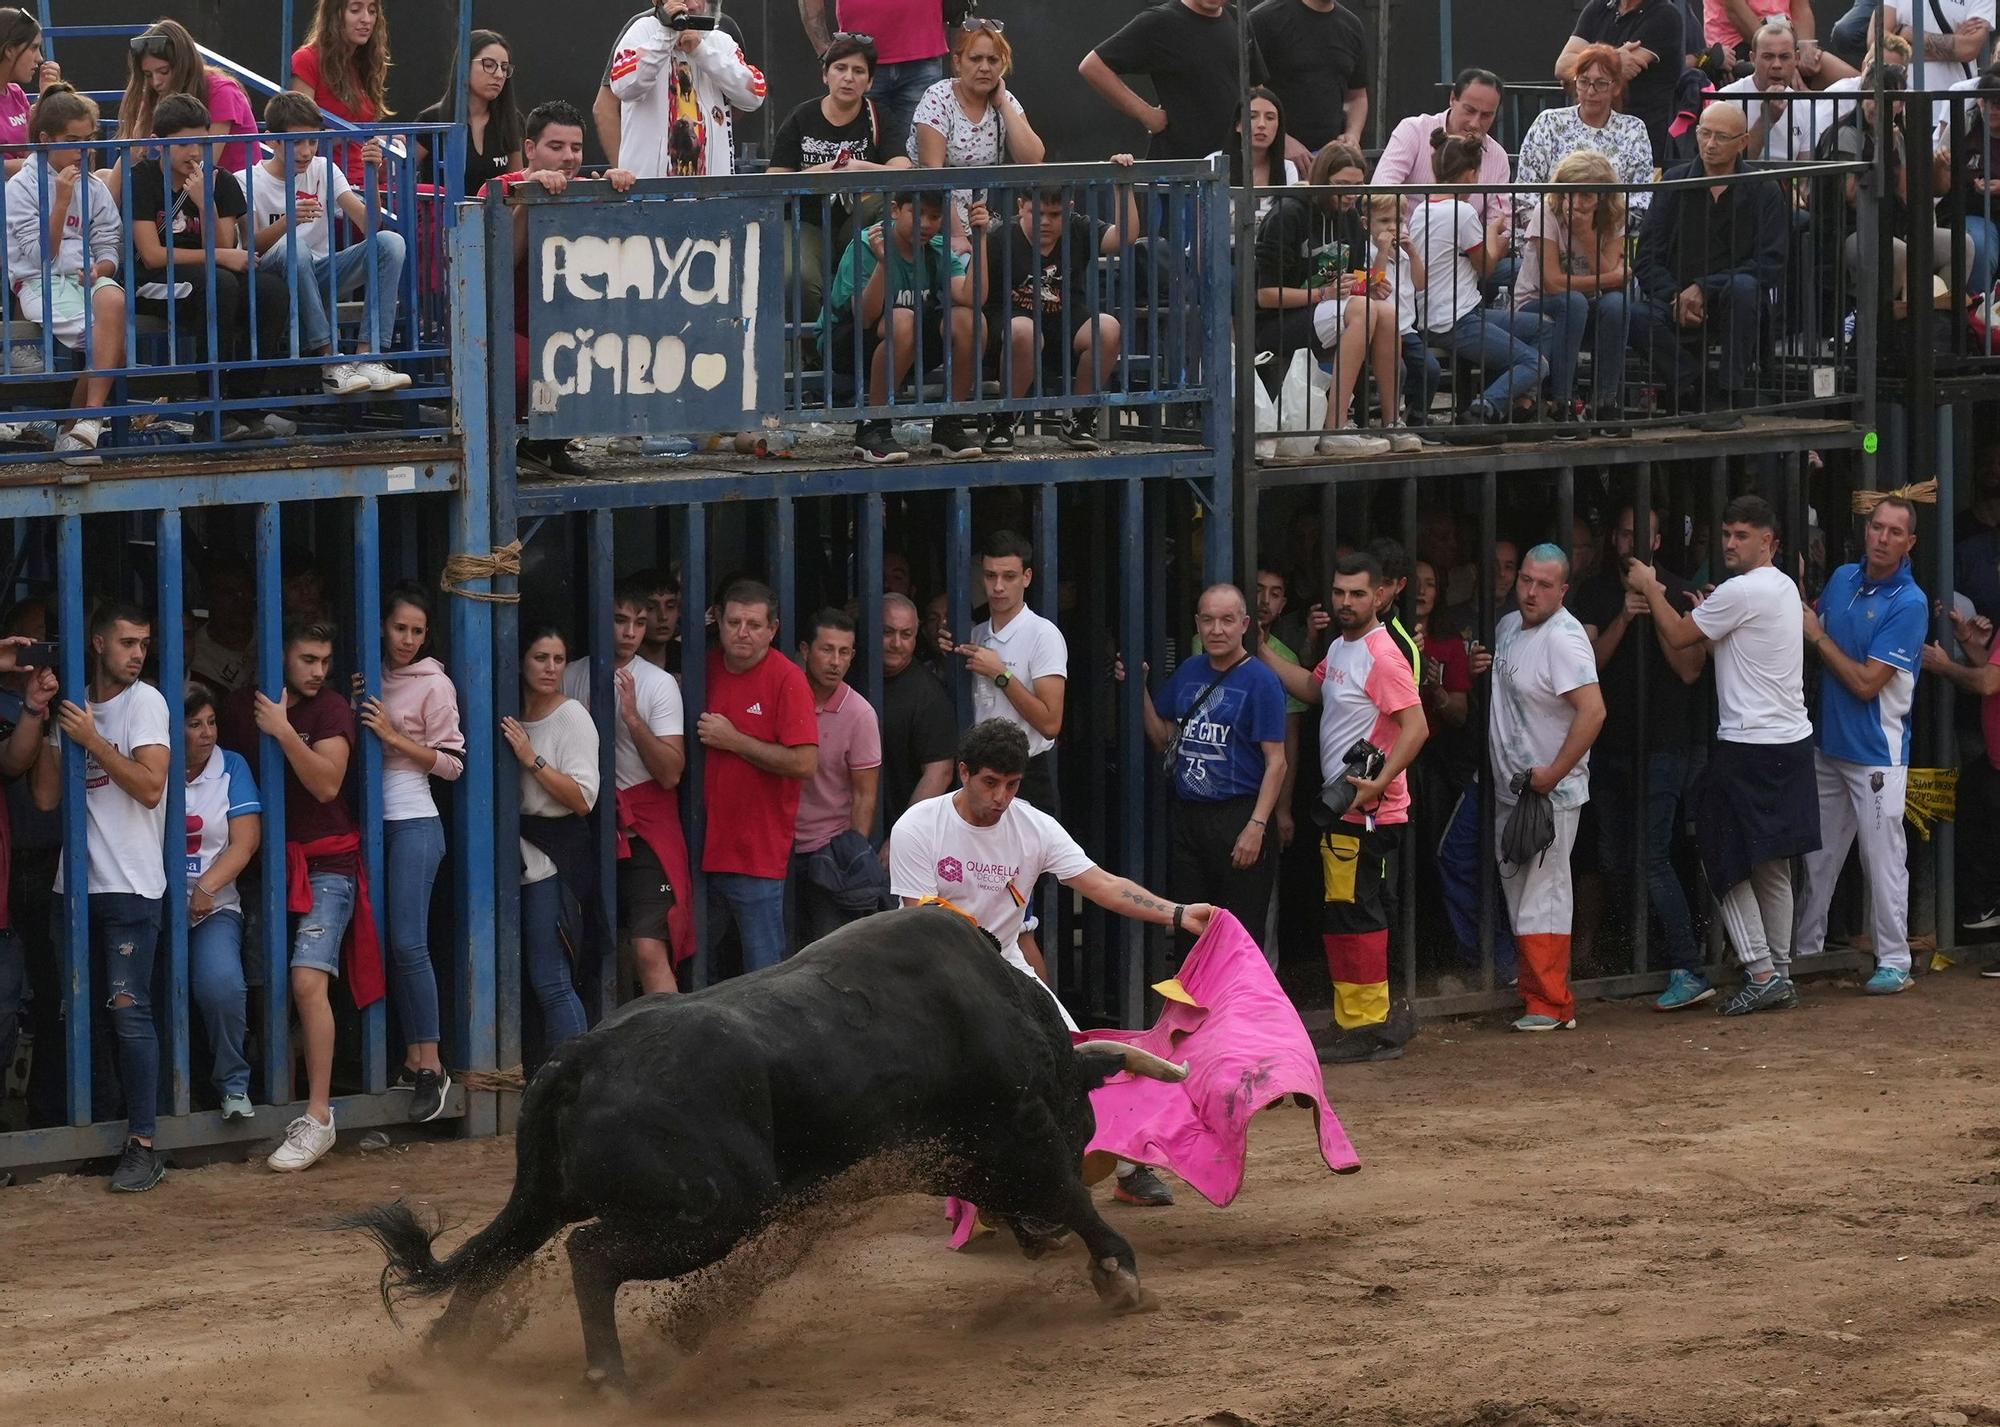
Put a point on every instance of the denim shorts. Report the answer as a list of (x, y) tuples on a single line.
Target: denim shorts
[(316, 942)]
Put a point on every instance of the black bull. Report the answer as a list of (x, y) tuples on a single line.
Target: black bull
[(682, 1125)]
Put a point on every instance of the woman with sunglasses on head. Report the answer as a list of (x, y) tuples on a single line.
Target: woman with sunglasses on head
[(841, 132), (494, 136), (971, 120), (345, 68), (165, 60), (24, 74)]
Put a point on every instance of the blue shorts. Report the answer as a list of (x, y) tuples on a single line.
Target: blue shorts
[(319, 932)]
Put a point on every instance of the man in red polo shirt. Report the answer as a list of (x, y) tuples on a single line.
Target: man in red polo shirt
[(762, 737)]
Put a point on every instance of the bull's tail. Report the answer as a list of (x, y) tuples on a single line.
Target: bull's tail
[(531, 1217)]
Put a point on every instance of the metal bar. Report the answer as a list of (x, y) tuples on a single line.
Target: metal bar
[(367, 518), (1131, 739), (869, 520), (169, 634), (1944, 837), (601, 559), (271, 783), (1489, 536), (78, 1007), (1045, 593), (694, 695), (958, 597), (1640, 896), (782, 558)]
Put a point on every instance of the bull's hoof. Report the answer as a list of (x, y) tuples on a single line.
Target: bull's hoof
[(1119, 1289), (610, 1384), (1039, 1237)]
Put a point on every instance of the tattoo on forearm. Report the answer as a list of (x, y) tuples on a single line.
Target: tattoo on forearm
[(1142, 899)]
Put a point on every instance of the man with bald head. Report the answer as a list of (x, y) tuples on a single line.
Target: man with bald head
[(919, 726), (1708, 254), (1220, 723)]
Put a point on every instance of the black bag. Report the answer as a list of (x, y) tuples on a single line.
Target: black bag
[(1531, 827)]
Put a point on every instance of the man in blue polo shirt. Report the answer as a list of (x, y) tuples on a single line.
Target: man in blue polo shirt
[(1869, 635)]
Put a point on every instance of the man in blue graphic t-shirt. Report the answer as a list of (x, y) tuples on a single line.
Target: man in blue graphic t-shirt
[(1869, 633), (1223, 717)]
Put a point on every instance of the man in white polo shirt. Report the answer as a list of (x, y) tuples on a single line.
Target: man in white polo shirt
[(1786, 124), (1759, 805), (1019, 662)]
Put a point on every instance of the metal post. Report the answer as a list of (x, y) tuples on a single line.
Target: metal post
[(782, 556), (601, 559), (78, 968), (1944, 836), (271, 784), (1642, 630), (869, 535), (694, 697), (168, 631), (958, 598), (368, 649), (1131, 740), (1489, 536), (1045, 593)]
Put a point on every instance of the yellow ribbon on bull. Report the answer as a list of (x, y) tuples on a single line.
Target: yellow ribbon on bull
[(1932, 797)]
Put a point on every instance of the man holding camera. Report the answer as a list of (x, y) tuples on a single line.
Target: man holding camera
[(1371, 727), (678, 79)]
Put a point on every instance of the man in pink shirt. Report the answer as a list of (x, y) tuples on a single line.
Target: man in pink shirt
[(910, 46), (1475, 104), (839, 798)]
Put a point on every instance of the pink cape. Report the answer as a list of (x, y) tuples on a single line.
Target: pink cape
[(1245, 1048)]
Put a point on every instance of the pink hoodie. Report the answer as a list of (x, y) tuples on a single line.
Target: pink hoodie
[(424, 707)]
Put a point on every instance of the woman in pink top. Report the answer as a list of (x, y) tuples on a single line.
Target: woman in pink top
[(165, 60), (345, 68), (25, 74), (416, 722)]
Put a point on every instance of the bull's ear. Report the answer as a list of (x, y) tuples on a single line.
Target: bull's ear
[(1093, 1068)]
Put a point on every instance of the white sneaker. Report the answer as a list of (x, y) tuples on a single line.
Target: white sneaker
[(343, 379), (382, 378), (78, 445), (1351, 443), (1402, 439), (306, 1143)]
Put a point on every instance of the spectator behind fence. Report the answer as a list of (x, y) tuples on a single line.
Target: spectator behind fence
[(60, 194), (1733, 25), (886, 310), (222, 648), (34, 846), (1045, 262), (910, 39), (291, 195), (1646, 39), (919, 728), (327, 893), (1187, 48), (1546, 713), (165, 61), (606, 111), (1593, 124), (972, 120), (1979, 781), (1408, 157), (1970, 152), (1458, 251), (1376, 323), (1573, 276), (1707, 256), (678, 90), (1317, 55), (1867, 630), (1269, 168), (1782, 129), (835, 875), (225, 826), (20, 746), (761, 735), (1956, 36), (24, 74), (662, 645), (121, 730), (415, 718), (649, 756), (1623, 636), (492, 121), (840, 132), (1309, 243), (344, 69), (555, 740)]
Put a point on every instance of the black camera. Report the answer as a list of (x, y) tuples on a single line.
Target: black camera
[(1364, 761), (683, 21)]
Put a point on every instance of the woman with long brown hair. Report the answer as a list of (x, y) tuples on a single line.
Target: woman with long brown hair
[(166, 60), (345, 68)]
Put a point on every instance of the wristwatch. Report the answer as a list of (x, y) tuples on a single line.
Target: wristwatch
[(540, 763), (1002, 679)]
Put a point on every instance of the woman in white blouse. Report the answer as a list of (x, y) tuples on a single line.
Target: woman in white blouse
[(972, 120), (1593, 122)]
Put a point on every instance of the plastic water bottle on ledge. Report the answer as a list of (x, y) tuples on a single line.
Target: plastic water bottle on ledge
[(663, 446)]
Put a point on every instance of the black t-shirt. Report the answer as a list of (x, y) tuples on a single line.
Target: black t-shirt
[(918, 727), (1658, 26), (1191, 60), (1065, 297), (1301, 244), (179, 220), (1669, 702), (808, 138), (480, 164), (1315, 58)]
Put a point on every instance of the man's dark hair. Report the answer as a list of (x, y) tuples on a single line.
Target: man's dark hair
[(310, 629), (118, 612), (845, 47), (290, 111), (1359, 562), (634, 591), (1006, 545), (995, 746), (748, 592), (18, 621), (928, 198), (1391, 557), (1044, 194), (180, 114), (1751, 510), (827, 618), (1472, 75), (658, 580), (555, 111), (1893, 77), (1988, 85)]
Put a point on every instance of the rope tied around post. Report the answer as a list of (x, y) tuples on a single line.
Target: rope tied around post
[(511, 1081), (1922, 493), (460, 569)]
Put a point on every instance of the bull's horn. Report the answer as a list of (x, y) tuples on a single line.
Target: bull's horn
[(1139, 1062)]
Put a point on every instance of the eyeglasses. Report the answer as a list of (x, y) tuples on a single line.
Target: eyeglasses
[(1593, 86), (501, 67), (972, 24), (856, 36), (152, 47)]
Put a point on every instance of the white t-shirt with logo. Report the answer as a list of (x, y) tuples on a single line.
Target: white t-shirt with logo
[(125, 836), (318, 179), (1793, 134), (988, 872), (222, 790), (1533, 668), (658, 695), (1758, 626), (1032, 648)]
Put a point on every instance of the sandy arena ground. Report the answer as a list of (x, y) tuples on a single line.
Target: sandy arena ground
[(1676, 1220)]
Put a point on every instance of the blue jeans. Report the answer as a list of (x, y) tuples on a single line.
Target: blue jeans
[(547, 964), (215, 979), (13, 996), (1421, 374), (1985, 252), (1570, 317), (1492, 339), (1849, 36), (1679, 354), (124, 945), (316, 940), (757, 905), (896, 90), (1612, 791), (350, 276), (1459, 855), (412, 848)]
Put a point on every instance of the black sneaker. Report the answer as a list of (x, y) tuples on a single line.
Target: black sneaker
[(1000, 435), (1608, 421), (548, 458), (1078, 430), (1718, 421), (1476, 415), (1364, 1043), (427, 1092), (1143, 1187), (948, 438), (140, 1167), (876, 445)]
